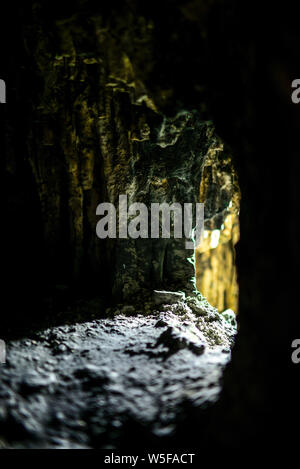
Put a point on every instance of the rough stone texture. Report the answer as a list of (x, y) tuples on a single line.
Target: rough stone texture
[(168, 297), (233, 61), (96, 127), (87, 385)]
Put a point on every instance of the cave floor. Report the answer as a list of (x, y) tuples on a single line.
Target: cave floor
[(88, 384)]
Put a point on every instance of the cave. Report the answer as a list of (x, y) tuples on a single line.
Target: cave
[(117, 342)]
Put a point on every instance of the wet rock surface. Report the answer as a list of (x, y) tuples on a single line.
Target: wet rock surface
[(87, 385)]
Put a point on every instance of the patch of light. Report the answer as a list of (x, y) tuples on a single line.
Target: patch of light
[(229, 316), (215, 236)]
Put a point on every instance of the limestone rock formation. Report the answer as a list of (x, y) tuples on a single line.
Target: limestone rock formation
[(98, 129)]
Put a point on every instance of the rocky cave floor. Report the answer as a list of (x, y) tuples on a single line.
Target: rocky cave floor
[(89, 384)]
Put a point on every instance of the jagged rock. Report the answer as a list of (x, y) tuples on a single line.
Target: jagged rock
[(161, 323), (167, 297), (176, 339)]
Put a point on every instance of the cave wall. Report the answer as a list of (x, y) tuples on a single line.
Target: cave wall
[(100, 123)]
